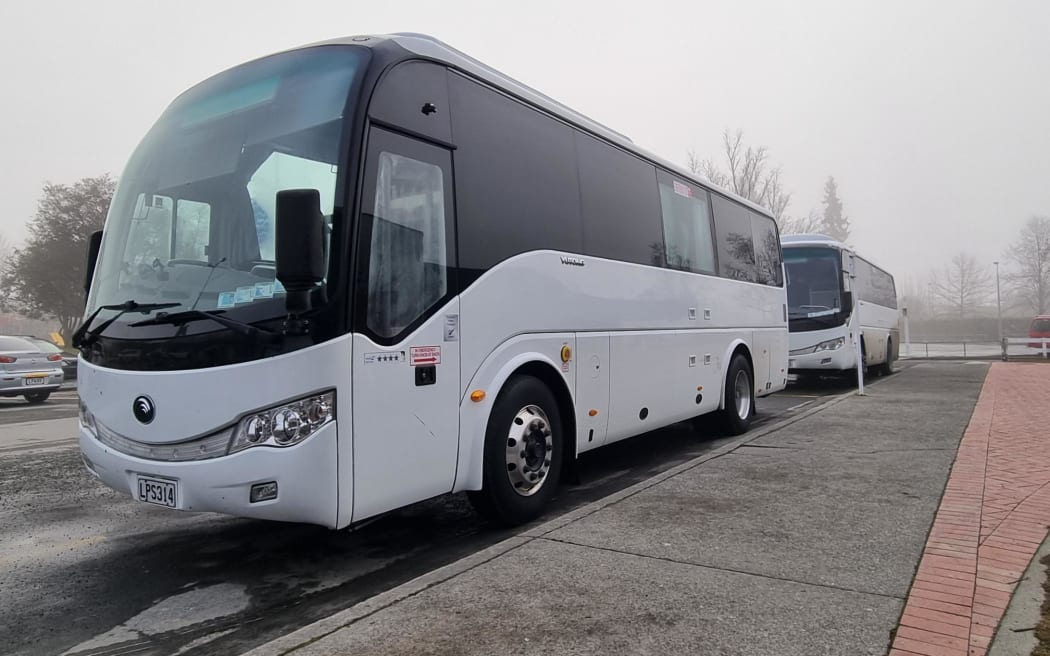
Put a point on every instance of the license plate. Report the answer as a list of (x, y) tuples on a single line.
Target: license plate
[(159, 492), (39, 380)]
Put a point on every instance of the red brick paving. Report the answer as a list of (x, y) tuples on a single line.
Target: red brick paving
[(994, 514)]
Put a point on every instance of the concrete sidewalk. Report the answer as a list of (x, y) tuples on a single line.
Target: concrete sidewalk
[(799, 540)]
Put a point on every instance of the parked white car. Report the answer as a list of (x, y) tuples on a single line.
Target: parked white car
[(27, 371)]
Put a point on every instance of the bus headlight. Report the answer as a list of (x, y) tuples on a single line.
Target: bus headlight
[(829, 345), (286, 424)]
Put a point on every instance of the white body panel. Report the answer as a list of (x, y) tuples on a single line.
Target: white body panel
[(199, 402), (641, 337), (408, 434)]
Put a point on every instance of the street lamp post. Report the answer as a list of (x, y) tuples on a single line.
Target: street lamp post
[(998, 302)]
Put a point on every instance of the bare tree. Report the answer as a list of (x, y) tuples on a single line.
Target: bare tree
[(802, 225), (963, 285), (746, 173), (1030, 257), (916, 295), (7, 252)]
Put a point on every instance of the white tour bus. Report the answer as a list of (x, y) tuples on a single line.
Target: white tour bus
[(345, 278), (825, 278)]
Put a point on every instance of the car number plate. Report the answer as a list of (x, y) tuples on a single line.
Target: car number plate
[(39, 380), (159, 492)]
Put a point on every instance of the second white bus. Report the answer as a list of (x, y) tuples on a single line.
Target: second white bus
[(833, 295)]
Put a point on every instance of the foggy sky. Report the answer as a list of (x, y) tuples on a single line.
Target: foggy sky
[(934, 117)]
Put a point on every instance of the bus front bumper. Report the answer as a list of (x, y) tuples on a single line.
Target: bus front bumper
[(830, 361), (306, 479)]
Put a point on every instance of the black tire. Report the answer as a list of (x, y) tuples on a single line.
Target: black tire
[(504, 497), (736, 417), (35, 398), (887, 368)]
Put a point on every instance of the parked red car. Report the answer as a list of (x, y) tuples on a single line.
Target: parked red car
[(1040, 329)]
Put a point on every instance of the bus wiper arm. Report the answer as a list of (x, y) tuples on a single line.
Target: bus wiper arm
[(259, 335), (84, 337)]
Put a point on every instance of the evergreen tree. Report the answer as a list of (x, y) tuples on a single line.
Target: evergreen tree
[(835, 223)]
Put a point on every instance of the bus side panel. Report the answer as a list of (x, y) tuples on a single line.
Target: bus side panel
[(649, 375), (593, 373)]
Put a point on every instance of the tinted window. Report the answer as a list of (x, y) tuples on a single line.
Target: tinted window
[(736, 249), (1041, 326), (814, 281), (402, 93), (517, 187), (406, 219), (620, 207), (767, 250), (688, 242), (875, 285)]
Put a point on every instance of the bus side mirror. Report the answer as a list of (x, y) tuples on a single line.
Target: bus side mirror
[(299, 246), (94, 244)]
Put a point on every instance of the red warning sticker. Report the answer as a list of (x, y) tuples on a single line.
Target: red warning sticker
[(424, 355), (683, 190)]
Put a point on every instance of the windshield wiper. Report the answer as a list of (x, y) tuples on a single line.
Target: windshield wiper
[(259, 335), (83, 337)]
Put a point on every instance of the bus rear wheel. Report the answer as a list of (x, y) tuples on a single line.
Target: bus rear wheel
[(887, 368), (523, 453), (739, 397)]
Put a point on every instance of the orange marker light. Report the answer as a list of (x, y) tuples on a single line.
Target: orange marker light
[(593, 413), (566, 353), (477, 396), (699, 388)]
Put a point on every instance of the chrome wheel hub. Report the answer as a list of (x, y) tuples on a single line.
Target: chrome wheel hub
[(529, 450), (742, 393)]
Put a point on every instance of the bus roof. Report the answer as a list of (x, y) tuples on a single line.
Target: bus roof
[(431, 48), (813, 240), (789, 241)]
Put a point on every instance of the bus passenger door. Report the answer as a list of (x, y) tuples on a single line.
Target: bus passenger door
[(406, 355)]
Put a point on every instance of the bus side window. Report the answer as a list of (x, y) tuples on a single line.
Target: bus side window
[(736, 247), (767, 251), (689, 244)]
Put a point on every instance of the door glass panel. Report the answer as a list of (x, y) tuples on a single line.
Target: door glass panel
[(407, 268), (192, 225)]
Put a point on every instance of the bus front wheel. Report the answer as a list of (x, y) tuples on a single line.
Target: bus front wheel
[(523, 453), (739, 397)]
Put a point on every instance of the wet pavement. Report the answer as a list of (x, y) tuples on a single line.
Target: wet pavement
[(88, 571)]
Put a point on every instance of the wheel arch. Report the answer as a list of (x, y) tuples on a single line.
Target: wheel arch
[(737, 346), (474, 417)]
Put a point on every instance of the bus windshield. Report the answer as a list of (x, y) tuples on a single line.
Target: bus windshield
[(814, 287), (192, 221)]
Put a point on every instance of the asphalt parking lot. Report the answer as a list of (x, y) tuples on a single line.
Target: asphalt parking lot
[(89, 571)]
